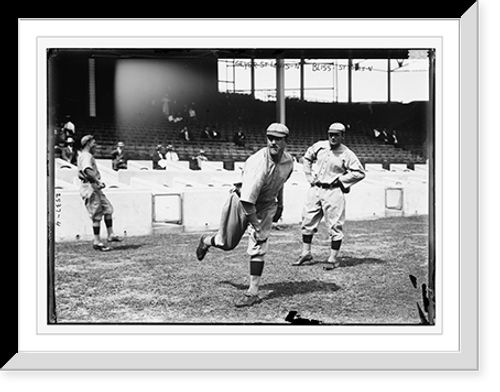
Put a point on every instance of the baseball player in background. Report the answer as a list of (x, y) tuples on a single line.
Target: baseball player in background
[(255, 204), (337, 170), (96, 203)]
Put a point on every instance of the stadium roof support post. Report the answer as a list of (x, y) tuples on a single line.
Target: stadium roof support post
[(349, 79), (280, 91), (302, 61), (252, 77), (389, 79)]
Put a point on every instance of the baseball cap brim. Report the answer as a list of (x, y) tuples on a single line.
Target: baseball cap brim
[(277, 130), (276, 133)]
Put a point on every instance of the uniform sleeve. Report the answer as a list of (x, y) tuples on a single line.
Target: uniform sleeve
[(253, 180), (85, 162), (354, 170), (307, 163)]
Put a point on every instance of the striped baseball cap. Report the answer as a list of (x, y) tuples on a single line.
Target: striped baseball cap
[(336, 127), (278, 130)]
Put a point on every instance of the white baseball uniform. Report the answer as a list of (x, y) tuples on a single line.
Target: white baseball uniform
[(262, 180), (94, 199), (325, 198)]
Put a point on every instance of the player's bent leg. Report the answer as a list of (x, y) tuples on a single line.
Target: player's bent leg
[(203, 246), (233, 224), (306, 254), (312, 213), (333, 262), (251, 297), (97, 244), (108, 221)]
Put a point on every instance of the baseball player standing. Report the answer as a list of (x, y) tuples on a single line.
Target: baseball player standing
[(96, 203), (254, 204), (338, 169)]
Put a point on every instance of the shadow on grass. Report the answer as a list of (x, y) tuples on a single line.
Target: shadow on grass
[(347, 261), (288, 289), (125, 247), (353, 261)]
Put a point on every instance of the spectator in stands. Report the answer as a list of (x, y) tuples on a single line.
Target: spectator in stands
[(393, 138), (239, 138), (159, 161), (385, 136), (171, 155), (192, 114), (58, 148), (119, 158), (199, 159), (68, 127), (184, 134), (206, 133), (216, 135), (68, 152)]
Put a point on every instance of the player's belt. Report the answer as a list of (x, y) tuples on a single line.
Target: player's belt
[(327, 186), (82, 178)]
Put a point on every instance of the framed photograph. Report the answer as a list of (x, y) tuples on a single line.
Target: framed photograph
[(338, 233)]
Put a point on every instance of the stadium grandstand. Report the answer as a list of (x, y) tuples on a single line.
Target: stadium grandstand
[(119, 96), (91, 98)]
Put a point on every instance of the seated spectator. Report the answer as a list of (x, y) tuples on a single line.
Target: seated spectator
[(215, 133), (184, 134), (239, 138), (68, 127), (206, 133), (171, 155), (119, 158), (58, 148), (68, 152), (192, 114), (393, 138), (158, 158), (198, 160)]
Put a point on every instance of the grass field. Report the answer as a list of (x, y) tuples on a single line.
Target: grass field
[(157, 279)]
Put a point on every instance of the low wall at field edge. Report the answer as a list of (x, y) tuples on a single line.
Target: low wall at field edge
[(143, 199)]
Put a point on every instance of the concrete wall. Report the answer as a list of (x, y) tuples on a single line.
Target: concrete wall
[(142, 198), (132, 214)]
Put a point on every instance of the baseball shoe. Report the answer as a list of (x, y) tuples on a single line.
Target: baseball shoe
[(202, 249), (101, 247), (115, 238), (302, 259), (330, 266), (247, 300)]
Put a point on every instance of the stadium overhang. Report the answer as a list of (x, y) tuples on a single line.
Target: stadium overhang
[(236, 53)]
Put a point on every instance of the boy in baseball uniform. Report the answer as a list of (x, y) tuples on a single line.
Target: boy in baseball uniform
[(96, 203), (338, 169), (254, 205)]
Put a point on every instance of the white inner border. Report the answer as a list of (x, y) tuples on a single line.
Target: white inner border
[(35, 336)]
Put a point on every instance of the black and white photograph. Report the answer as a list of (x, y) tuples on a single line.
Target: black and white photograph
[(263, 195), (233, 186)]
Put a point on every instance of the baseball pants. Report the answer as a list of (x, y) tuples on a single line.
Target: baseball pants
[(327, 203), (234, 224), (96, 202)]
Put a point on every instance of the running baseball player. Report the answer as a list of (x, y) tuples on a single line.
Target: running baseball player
[(96, 203), (337, 170), (255, 204)]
